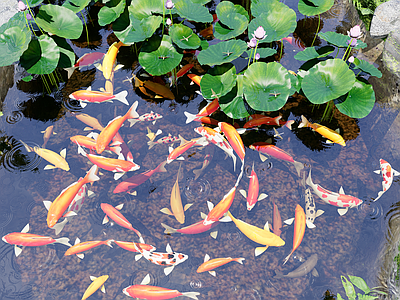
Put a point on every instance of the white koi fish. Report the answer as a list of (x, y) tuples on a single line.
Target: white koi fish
[(387, 175), (310, 208)]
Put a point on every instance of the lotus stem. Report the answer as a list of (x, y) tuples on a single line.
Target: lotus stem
[(347, 49), (280, 56), (33, 16), (27, 23), (45, 83), (255, 51), (87, 32), (319, 23)]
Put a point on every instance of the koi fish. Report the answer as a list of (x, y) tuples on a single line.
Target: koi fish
[(84, 61), (253, 196), (177, 210), (387, 175), (195, 228), (47, 134), (331, 135), (79, 247), (98, 283), (89, 96), (299, 229), (311, 212), (209, 265), (131, 246), (175, 153), (24, 238), (336, 199), (57, 160), (108, 133), (150, 292), (90, 143), (295, 42), (304, 269), (233, 138), (151, 117), (195, 78), (170, 258), (218, 211), (277, 220), (114, 214), (205, 111), (264, 120), (136, 180), (108, 65), (164, 140), (184, 70), (258, 235), (207, 159), (151, 135), (63, 201), (159, 89)]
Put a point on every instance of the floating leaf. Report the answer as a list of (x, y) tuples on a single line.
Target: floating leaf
[(162, 60), (266, 86), (142, 9), (222, 52), (60, 21), (327, 80), (348, 288), (295, 84), (218, 82), (184, 37), (67, 55), (358, 104), (340, 40), (359, 282), (41, 57), (193, 11), (308, 8), (234, 17), (111, 11), (201, 2), (13, 42), (76, 5), (367, 67), (312, 52), (232, 104), (264, 52), (32, 3), (27, 78)]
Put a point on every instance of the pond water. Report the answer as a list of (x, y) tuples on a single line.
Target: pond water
[(346, 244)]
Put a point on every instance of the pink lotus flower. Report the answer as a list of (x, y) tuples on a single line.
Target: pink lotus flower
[(168, 22), (28, 17), (352, 42), (21, 6), (355, 32), (257, 56), (259, 33), (252, 43), (169, 4), (351, 59)]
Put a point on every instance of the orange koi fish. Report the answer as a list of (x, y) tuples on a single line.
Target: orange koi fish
[(253, 197), (221, 208), (184, 70), (233, 138), (331, 135), (299, 229), (131, 246), (209, 265), (89, 96), (206, 111), (159, 89), (195, 228), (98, 283), (175, 153), (114, 214), (24, 238), (63, 201), (84, 61), (90, 143), (47, 134), (108, 133), (195, 78), (108, 65), (79, 247), (263, 120)]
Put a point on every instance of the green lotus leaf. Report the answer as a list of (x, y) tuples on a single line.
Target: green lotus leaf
[(222, 52), (218, 82), (327, 80), (278, 21), (142, 9), (308, 8), (111, 11), (264, 52), (340, 40), (359, 101), (27, 78), (41, 57), (60, 21), (204, 44), (162, 60), (184, 37), (67, 55), (266, 86), (295, 84), (13, 42), (312, 52), (232, 104), (234, 17), (16, 20), (193, 11), (201, 2), (367, 67), (76, 5), (32, 3)]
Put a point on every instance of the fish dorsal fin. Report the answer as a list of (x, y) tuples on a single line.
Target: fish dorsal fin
[(243, 193), (25, 229), (289, 221), (206, 257), (203, 215), (47, 204), (266, 226), (77, 241), (93, 278), (169, 249), (210, 205), (146, 280), (168, 270), (119, 207), (341, 191), (310, 224)]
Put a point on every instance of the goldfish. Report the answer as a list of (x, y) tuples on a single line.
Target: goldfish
[(57, 160), (108, 65), (98, 283), (336, 199), (88, 120), (108, 133), (89, 96), (304, 269), (136, 180), (151, 117), (253, 196), (331, 135), (131, 246), (299, 229), (47, 134), (233, 138), (84, 61), (155, 87), (90, 143), (210, 265), (263, 120), (221, 208), (387, 175), (62, 202), (114, 214), (24, 238), (205, 111), (79, 247), (164, 140)]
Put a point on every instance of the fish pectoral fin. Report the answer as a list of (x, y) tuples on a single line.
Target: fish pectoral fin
[(341, 191), (70, 214), (103, 289), (260, 250), (81, 255), (210, 205), (118, 175), (214, 234), (146, 280), (289, 221), (225, 219), (329, 142), (92, 278), (47, 204), (310, 224), (138, 256), (119, 207), (83, 104), (319, 212), (168, 270), (187, 206), (342, 211), (25, 229), (99, 67), (169, 249), (118, 67), (266, 226), (105, 220), (49, 167), (63, 153), (243, 193), (395, 173), (314, 272), (203, 215), (166, 211), (17, 250), (213, 273), (263, 157), (377, 171), (262, 196)]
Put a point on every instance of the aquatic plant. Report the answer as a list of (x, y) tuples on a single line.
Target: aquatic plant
[(354, 281)]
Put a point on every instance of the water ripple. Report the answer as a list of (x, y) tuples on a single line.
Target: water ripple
[(197, 189), (242, 293), (72, 105), (14, 117), (373, 210), (17, 160)]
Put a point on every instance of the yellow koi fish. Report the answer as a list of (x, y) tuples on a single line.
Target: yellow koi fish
[(98, 282), (107, 66)]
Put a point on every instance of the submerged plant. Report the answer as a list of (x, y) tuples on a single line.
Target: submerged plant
[(354, 281)]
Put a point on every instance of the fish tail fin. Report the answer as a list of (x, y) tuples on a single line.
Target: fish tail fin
[(60, 226), (28, 148), (189, 117), (192, 295), (64, 241), (239, 260), (161, 167), (122, 97), (289, 124), (116, 149), (197, 173), (279, 274), (304, 122), (132, 114), (277, 120), (151, 144), (91, 175), (298, 166), (108, 242), (287, 257), (168, 229)]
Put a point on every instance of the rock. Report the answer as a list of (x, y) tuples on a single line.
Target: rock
[(7, 10), (391, 53), (386, 19)]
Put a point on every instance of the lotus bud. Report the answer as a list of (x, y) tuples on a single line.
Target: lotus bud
[(351, 59), (352, 42), (168, 22), (355, 32), (21, 6), (28, 17), (169, 4), (252, 43), (259, 33), (257, 56)]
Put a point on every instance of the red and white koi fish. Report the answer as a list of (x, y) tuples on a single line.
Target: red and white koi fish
[(90, 143), (295, 42), (207, 159), (233, 138), (64, 200), (84, 61), (217, 212), (79, 247), (175, 153), (89, 96), (108, 133), (113, 213), (131, 246), (336, 199), (150, 117), (98, 283), (262, 120), (136, 180), (210, 265), (24, 238), (331, 135), (150, 292), (47, 134), (253, 196), (206, 111), (387, 175), (170, 258), (164, 140), (299, 229)]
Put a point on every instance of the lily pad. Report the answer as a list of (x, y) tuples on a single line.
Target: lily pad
[(60, 21), (67, 55), (340, 40), (143, 9), (359, 101), (234, 17), (266, 86), (278, 21), (193, 11), (314, 7), (264, 52), (367, 67), (184, 37), (111, 11), (327, 80), (76, 5), (218, 82), (32, 3), (41, 57), (222, 52), (233, 104), (13, 42), (201, 2), (162, 60), (295, 84), (312, 52)]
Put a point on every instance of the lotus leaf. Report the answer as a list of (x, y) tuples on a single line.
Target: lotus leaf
[(367, 67), (295, 83), (201, 2), (222, 52), (193, 11), (111, 11), (142, 9), (76, 5), (232, 16), (340, 40), (327, 80), (67, 55), (314, 7), (13, 42), (233, 104), (312, 52), (266, 86), (184, 37), (32, 3), (218, 82), (60, 21), (264, 52)]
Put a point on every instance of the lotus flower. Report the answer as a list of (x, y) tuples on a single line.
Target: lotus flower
[(355, 32), (21, 6), (169, 4), (168, 22), (259, 33), (28, 17), (352, 42), (252, 43), (351, 59)]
